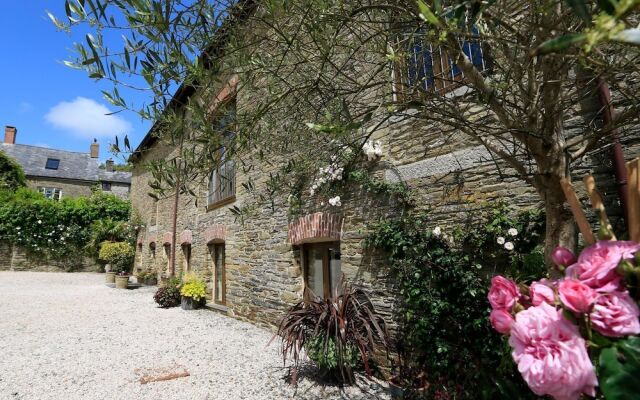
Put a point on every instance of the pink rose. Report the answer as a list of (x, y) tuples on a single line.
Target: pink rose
[(551, 355), (541, 293), (576, 296), (503, 293), (563, 256), (615, 314), (596, 266), (501, 321)]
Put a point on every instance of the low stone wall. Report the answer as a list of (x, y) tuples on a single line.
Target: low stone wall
[(15, 258)]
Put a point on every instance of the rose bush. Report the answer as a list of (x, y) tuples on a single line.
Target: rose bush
[(554, 326)]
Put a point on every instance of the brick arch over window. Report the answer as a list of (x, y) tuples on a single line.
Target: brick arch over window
[(214, 234), (321, 226), (166, 238), (186, 237), (152, 240)]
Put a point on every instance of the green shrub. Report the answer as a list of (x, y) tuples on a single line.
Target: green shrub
[(443, 286), (119, 254), (11, 174), (194, 287)]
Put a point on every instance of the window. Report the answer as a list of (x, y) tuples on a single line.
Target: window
[(186, 258), (52, 163), (167, 256), (51, 193), (322, 270), (429, 68), (222, 184), (219, 280), (106, 186)]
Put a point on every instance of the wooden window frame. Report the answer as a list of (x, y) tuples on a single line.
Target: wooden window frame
[(186, 255), (213, 252), (53, 190), (326, 267), (225, 175), (442, 76)]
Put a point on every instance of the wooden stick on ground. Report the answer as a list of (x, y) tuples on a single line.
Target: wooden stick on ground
[(633, 206), (597, 203), (576, 210)]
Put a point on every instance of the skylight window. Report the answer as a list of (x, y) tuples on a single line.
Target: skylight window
[(52, 163)]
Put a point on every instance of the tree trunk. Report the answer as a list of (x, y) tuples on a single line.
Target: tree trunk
[(560, 224)]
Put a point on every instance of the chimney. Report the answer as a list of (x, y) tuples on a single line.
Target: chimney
[(95, 149), (109, 165), (10, 133)]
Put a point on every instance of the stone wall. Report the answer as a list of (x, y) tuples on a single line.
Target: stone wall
[(70, 188), (264, 275), (15, 258)]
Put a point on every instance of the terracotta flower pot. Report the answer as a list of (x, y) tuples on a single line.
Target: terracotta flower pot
[(122, 281), (110, 277)]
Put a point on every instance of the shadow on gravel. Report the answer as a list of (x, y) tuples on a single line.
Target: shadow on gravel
[(315, 385)]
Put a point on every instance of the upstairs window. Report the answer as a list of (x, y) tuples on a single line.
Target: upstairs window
[(222, 184), (52, 163), (428, 68), (51, 193)]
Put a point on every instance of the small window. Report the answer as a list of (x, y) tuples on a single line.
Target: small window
[(322, 269), (51, 193), (52, 163), (106, 186), (186, 258), (222, 182)]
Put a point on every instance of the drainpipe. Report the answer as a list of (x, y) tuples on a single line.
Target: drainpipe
[(608, 116)]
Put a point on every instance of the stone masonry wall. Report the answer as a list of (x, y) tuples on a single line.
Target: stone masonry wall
[(263, 267), (15, 258)]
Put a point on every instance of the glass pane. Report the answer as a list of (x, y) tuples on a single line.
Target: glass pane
[(335, 271), (315, 279), (219, 273)]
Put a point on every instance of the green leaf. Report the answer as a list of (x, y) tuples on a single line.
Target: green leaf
[(619, 371), (560, 43), (426, 13)]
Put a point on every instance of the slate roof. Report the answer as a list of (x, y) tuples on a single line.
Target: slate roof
[(73, 165)]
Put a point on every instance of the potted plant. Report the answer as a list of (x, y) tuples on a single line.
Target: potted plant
[(120, 256), (110, 276), (151, 277), (168, 294), (193, 291)]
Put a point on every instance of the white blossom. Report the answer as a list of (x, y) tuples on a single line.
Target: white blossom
[(512, 231), (335, 201), (508, 246), (39, 221), (436, 231), (372, 150), (500, 240)]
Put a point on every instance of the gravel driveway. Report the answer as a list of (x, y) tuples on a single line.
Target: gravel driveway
[(68, 336)]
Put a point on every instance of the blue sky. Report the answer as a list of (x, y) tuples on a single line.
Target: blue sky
[(53, 105)]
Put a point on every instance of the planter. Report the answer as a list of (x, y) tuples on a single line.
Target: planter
[(122, 281), (151, 281), (110, 277), (187, 303), (400, 392)]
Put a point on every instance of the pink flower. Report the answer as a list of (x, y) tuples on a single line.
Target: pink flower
[(596, 266), (540, 292), (576, 296), (615, 314), (563, 256), (551, 355), (501, 321), (503, 293)]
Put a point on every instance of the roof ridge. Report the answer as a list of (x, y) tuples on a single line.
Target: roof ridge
[(46, 148)]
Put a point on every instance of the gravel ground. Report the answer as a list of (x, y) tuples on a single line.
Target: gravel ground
[(68, 336)]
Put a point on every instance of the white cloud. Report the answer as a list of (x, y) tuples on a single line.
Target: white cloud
[(86, 118)]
